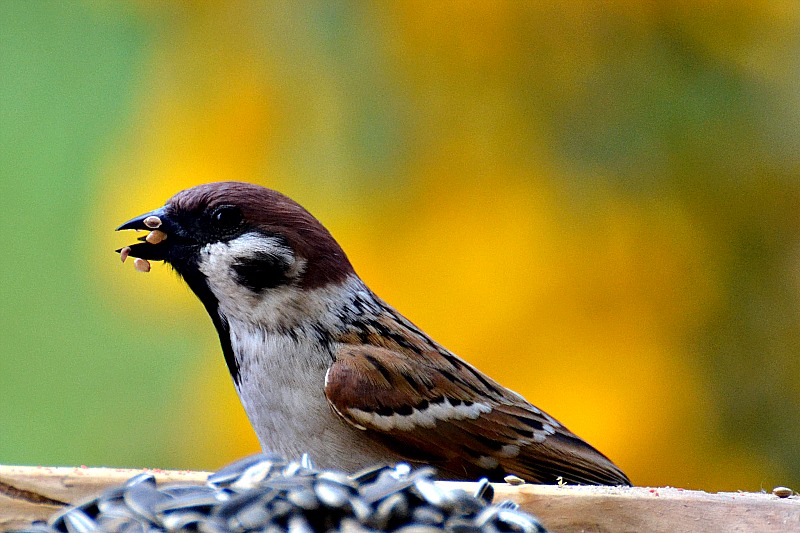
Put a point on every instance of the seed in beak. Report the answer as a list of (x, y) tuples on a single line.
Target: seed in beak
[(142, 265), (155, 236), (152, 222), (124, 253)]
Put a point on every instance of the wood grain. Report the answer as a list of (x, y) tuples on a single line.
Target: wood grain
[(34, 493)]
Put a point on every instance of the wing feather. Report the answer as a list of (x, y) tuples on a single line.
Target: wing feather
[(442, 411)]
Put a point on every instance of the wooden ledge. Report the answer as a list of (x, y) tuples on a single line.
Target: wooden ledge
[(34, 493)]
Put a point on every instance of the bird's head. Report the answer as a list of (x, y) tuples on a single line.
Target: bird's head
[(235, 243)]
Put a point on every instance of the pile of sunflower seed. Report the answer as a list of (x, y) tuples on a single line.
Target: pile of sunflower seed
[(264, 492)]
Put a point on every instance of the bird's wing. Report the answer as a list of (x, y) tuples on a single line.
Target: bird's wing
[(435, 408)]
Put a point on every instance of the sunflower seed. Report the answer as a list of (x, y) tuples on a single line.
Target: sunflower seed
[(306, 462), (516, 521), (142, 498), (782, 492), (292, 469), (210, 526), (332, 494), (507, 504), (141, 265), (238, 503), (113, 508), (108, 522), (348, 525), (487, 515), (361, 510), (155, 236), (418, 528), (369, 474), (394, 508), (186, 491), (152, 222), (111, 495), (430, 492), (485, 491), (183, 520), (462, 525), (135, 526), (386, 484), (298, 524), (462, 503), (401, 470), (511, 479), (281, 509), (185, 502), (428, 515), (76, 521), (38, 526), (251, 517), (230, 473), (264, 492), (304, 498), (253, 475), (338, 477), (144, 477)]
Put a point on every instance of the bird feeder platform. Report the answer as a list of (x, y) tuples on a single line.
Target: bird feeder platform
[(35, 493)]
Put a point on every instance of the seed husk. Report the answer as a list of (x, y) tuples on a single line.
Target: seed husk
[(152, 222), (782, 492), (265, 492), (511, 479), (141, 265), (156, 236)]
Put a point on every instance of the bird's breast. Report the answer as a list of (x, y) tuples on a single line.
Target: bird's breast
[(281, 387)]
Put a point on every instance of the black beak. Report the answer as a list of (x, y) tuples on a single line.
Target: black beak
[(138, 222), (157, 220)]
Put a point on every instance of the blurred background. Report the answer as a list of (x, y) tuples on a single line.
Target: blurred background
[(594, 202)]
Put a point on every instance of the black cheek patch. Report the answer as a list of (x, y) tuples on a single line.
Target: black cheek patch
[(261, 271), (187, 268)]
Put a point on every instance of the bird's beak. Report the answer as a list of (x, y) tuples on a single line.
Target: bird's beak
[(139, 222), (155, 245)]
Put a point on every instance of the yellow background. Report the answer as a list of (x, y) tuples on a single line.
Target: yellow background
[(594, 202)]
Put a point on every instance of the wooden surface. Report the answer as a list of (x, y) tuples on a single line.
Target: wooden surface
[(34, 493)]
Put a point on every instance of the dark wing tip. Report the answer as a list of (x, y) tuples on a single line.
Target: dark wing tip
[(566, 456)]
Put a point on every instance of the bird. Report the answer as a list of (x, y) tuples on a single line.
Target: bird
[(324, 366)]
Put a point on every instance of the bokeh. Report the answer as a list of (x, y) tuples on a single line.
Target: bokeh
[(594, 202)]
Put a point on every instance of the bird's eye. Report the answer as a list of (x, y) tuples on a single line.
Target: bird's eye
[(226, 218)]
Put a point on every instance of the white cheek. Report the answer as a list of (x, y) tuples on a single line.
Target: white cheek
[(216, 263)]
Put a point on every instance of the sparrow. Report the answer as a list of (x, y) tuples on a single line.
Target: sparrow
[(324, 366)]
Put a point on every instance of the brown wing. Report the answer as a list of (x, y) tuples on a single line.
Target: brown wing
[(438, 409)]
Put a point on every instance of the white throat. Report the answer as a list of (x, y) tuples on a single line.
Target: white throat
[(282, 374), (282, 339)]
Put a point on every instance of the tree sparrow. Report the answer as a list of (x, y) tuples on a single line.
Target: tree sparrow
[(324, 366)]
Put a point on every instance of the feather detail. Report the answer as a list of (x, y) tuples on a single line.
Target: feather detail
[(439, 409)]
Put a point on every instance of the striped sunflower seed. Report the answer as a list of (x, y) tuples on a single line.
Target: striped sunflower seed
[(265, 492)]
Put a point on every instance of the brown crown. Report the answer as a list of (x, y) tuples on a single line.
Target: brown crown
[(273, 212)]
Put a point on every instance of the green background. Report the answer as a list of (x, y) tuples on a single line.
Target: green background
[(596, 203)]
